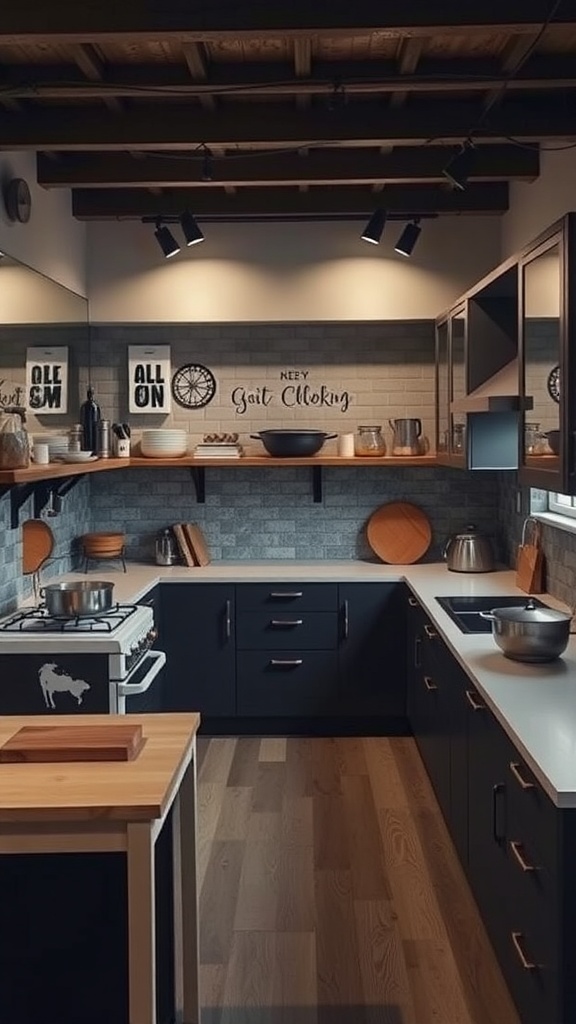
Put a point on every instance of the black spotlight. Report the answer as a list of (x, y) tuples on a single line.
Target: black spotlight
[(192, 232), (374, 228), (408, 238), (459, 168), (166, 240)]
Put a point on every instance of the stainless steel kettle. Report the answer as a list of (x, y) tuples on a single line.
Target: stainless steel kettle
[(470, 551), (166, 548), (407, 436)]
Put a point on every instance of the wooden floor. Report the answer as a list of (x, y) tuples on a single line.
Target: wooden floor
[(330, 891)]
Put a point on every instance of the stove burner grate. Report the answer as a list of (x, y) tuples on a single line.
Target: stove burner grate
[(38, 620)]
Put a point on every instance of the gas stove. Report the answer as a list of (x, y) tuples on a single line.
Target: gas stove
[(125, 632), (85, 665)]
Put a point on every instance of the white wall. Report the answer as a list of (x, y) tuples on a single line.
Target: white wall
[(285, 272), (533, 207), (52, 242)]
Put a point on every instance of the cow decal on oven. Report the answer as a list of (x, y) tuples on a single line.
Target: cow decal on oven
[(54, 680)]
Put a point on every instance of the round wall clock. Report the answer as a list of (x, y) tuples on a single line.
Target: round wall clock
[(553, 384), (17, 200), (193, 386)]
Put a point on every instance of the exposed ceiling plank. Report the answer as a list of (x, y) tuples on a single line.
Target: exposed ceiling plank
[(333, 166), (410, 53), (515, 54), (195, 57), (93, 68), (363, 124), (63, 82), (34, 20), (410, 200)]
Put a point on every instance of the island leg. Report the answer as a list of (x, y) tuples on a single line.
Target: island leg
[(186, 916), (141, 924)]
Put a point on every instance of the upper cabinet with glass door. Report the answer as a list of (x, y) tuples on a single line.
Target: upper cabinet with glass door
[(548, 339)]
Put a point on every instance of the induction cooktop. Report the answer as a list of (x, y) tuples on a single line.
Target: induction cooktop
[(465, 611)]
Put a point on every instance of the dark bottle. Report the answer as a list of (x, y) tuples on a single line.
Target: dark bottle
[(89, 417)]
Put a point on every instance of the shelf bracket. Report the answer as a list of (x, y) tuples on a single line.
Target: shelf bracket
[(198, 475), (58, 488), (19, 494), (317, 484)]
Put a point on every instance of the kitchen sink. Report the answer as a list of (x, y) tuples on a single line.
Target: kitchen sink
[(465, 611)]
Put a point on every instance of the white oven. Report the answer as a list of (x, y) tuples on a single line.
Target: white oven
[(87, 665)]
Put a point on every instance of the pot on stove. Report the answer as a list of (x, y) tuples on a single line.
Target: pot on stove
[(73, 600)]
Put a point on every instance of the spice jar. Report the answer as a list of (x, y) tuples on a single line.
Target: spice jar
[(370, 441)]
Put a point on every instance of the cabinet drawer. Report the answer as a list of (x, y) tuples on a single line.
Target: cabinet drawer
[(285, 683), (312, 597), (529, 961), (291, 630), (532, 817)]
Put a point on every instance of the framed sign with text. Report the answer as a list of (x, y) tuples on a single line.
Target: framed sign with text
[(149, 373), (47, 380)]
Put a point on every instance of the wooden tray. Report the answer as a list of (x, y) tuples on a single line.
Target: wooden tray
[(399, 533), (73, 743)]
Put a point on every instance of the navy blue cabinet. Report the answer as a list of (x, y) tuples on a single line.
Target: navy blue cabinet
[(372, 650), (197, 626)]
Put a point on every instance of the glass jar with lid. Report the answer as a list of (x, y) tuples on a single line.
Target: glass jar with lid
[(532, 439), (370, 441)]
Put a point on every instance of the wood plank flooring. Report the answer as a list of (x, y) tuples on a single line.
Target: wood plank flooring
[(330, 891)]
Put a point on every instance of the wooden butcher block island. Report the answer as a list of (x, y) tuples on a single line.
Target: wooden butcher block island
[(98, 879)]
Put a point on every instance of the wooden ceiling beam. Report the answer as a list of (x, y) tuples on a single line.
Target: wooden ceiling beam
[(327, 167), (408, 57), (64, 82), (400, 199), (181, 126), (27, 21)]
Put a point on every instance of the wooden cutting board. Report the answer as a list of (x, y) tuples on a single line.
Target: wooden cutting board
[(37, 544), (399, 533), (196, 540), (73, 743)]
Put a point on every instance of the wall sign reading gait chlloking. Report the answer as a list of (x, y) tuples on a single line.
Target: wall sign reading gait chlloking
[(295, 391)]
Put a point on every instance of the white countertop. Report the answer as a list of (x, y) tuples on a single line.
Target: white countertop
[(535, 704)]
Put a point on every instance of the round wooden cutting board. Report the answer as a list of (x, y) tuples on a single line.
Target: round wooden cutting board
[(37, 544), (399, 533)]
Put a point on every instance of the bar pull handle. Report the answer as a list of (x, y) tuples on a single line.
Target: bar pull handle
[(430, 632), (429, 683), (516, 848), (345, 619), (474, 704), (285, 662), (412, 602), (527, 964), (516, 770), (497, 791), (228, 620), (285, 593), (285, 622), (417, 651)]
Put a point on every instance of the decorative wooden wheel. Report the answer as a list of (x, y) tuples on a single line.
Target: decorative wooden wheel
[(193, 386)]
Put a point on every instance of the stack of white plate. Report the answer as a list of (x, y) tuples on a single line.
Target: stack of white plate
[(164, 444), (57, 443)]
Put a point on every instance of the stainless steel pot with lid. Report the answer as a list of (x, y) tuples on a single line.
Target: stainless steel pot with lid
[(470, 551), (530, 633)]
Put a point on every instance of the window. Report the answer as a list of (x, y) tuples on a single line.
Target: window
[(562, 504)]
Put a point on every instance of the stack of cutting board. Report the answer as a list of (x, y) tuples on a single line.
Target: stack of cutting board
[(192, 544), (115, 742)]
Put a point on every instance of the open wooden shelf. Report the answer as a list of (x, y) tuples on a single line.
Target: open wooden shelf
[(57, 470), (36, 480)]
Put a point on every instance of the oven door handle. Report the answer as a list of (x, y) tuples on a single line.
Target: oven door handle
[(127, 689)]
